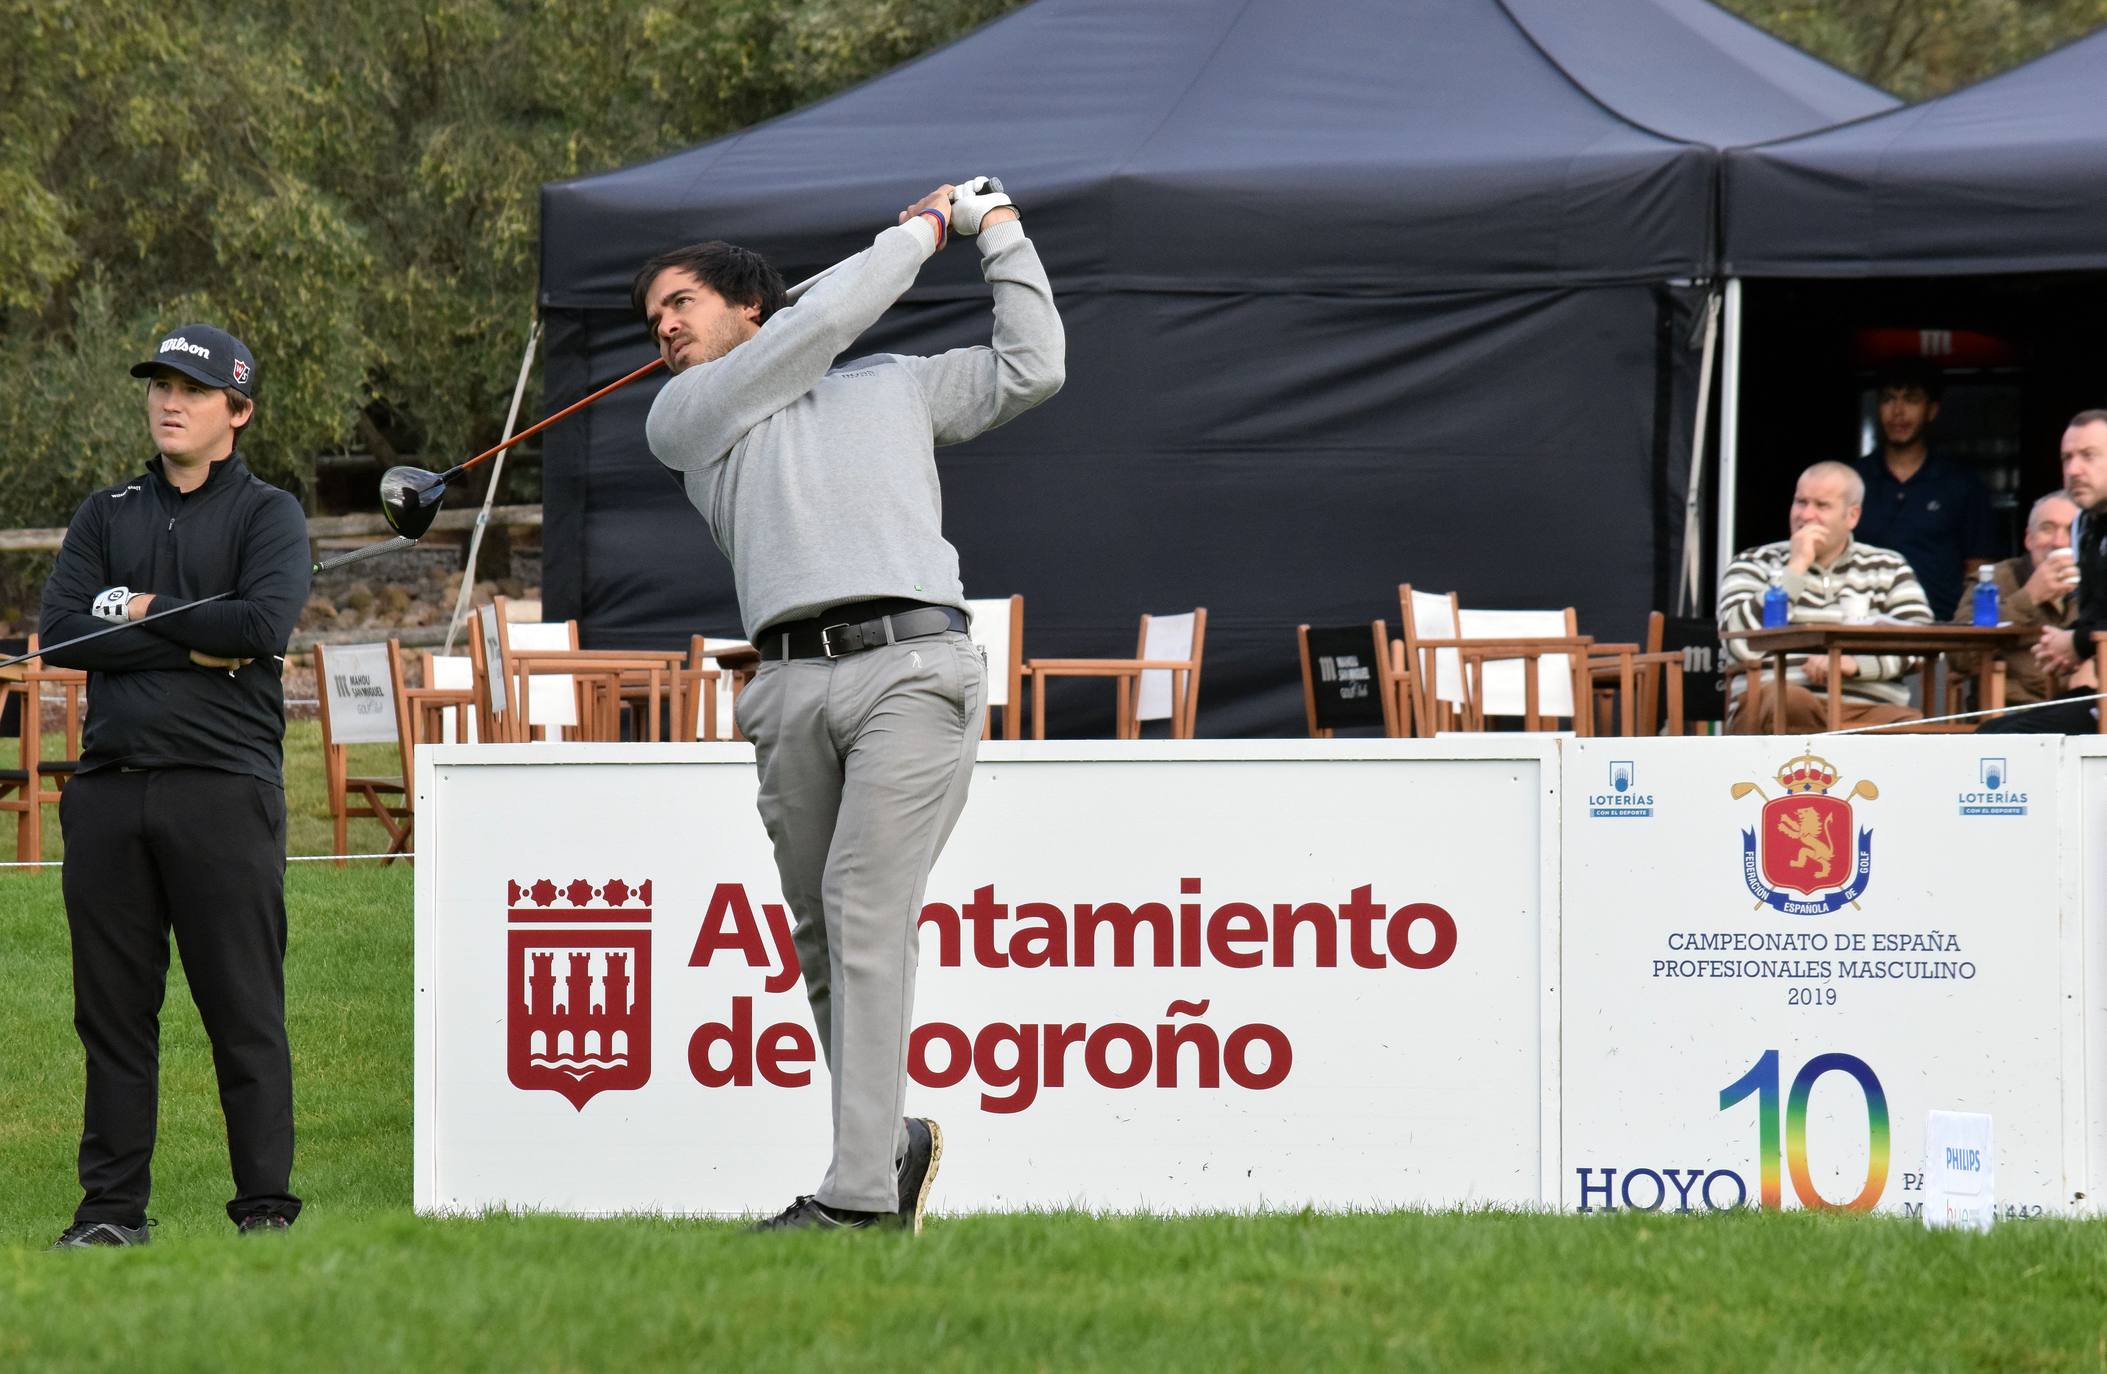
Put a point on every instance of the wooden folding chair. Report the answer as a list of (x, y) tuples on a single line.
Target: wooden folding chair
[(1427, 621), (1527, 666), (23, 788), (604, 685), (998, 628), (1329, 654), (363, 701), (443, 709), (721, 668), (1632, 682), (1161, 681), (550, 705)]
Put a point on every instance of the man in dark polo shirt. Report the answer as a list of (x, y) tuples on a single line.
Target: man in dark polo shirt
[(1929, 509)]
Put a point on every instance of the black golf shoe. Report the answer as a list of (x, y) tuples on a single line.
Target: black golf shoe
[(925, 1150), (262, 1224), (85, 1235), (810, 1214)]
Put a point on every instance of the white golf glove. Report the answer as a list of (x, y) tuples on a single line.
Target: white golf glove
[(971, 200), (110, 602)]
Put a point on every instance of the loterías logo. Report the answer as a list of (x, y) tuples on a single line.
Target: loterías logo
[(578, 987), (1805, 841)]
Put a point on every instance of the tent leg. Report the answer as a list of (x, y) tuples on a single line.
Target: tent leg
[(1729, 423), (1687, 596), (475, 538)]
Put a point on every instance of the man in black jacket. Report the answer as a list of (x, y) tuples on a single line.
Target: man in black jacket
[(2071, 651), (176, 817)]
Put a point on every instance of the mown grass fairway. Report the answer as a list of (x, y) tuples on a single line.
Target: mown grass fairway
[(361, 1284)]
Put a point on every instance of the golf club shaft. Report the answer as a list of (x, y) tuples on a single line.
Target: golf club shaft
[(359, 555), (112, 629), (646, 370)]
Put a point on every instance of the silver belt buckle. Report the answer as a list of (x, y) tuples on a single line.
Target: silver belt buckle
[(826, 639)]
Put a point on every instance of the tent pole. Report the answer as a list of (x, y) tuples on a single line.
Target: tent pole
[(1687, 596), (1729, 425), (475, 538)]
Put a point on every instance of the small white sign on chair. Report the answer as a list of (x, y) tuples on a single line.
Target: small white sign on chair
[(361, 694)]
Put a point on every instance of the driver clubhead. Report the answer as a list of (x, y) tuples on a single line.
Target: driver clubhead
[(409, 498)]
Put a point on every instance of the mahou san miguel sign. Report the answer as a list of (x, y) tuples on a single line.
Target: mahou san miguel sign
[(1149, 982)]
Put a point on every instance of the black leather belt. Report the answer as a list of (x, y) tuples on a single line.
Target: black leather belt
[(854, 626)]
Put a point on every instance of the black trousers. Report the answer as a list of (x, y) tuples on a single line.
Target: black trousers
[(2064, 718), (200, 853)]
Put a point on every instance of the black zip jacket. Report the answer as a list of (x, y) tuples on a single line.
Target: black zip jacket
[(149, 706), (2090, 539)]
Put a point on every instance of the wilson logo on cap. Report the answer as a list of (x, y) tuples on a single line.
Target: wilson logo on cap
[(241, 372), (179, 344)]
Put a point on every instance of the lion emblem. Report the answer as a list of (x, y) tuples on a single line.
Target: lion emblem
[(1804, 828)]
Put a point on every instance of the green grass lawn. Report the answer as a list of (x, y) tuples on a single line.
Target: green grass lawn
[(362, 1284)]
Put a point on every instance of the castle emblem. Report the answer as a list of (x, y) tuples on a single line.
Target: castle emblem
[(578, 987), (1803, 843)]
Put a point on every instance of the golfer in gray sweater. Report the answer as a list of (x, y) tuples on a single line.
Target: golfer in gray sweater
[(818, 479)]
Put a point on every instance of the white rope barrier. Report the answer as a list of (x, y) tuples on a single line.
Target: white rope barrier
[(1965, 715), (290, 858)]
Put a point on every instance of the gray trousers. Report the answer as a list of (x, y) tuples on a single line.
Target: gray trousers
[(864, 766)]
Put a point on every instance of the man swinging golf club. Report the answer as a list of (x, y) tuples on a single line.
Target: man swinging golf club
[(819, 482), (175, 820)]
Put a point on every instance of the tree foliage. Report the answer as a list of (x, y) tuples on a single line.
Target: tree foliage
[(352, 189), (1922, 48)]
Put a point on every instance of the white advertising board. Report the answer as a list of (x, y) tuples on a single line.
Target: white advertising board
[(1175, 976), (2085, 891), (1780, 954)]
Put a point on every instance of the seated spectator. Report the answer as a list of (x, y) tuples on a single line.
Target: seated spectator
[(1820, 565), (2069, 650), (2036, 589), (1930, 509)]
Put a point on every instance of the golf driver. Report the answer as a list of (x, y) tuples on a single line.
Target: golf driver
[(410, 497)]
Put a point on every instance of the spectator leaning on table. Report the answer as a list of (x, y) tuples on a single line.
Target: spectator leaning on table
[(1820, 566), (2070, 649), (2036, 590), (1929, 509)]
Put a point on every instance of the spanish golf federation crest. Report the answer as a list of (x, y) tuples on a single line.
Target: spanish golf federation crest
[(578, 987), (1804, 841)]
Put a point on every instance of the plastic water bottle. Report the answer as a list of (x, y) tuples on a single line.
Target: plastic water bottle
[(1985, 595), (1777, 606)]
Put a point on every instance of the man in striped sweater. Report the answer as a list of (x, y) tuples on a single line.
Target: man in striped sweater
[(1821, 566)]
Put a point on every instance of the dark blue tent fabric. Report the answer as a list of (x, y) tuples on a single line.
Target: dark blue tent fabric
[(1357, 292), (2006, 176)]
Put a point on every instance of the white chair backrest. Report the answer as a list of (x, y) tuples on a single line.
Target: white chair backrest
[(1169, 637), (991, 631), (1433, 617), (454, 673), (1506, 689), (550, 698), (724, 688), (359, 694)]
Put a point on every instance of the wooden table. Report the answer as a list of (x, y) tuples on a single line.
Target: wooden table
[(1913, 641)]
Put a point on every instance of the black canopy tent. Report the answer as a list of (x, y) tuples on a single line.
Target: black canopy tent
[(1356, 292), (1978, 212)]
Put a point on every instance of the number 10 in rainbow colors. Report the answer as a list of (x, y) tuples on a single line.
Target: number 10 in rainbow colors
[(1762, 1079)]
